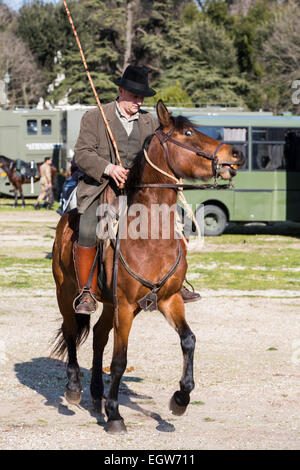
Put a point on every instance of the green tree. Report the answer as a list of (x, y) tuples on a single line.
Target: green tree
[(246, 35), (99, 25), (42, 28), (207, 66), (280, 60)]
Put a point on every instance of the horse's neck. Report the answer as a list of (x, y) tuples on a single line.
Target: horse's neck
[(158, 206), (7, 166), (151, 175)]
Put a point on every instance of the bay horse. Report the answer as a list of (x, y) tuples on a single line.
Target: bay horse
[(9, 166), (179, 150)]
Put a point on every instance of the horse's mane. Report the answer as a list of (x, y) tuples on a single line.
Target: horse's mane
[(136, 172)]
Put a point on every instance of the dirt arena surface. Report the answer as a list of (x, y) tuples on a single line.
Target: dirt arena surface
[(247, 371)]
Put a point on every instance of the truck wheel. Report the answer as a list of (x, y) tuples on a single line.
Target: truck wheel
[(215, 221)]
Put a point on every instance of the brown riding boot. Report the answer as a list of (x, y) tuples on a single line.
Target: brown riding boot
[(187, 295), (84, 257)]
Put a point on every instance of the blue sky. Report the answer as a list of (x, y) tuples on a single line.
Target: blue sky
[(16, 4)]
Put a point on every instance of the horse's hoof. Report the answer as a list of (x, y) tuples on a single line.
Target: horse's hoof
[(176, 409), (99, 404), (116, 427), (73, 397)]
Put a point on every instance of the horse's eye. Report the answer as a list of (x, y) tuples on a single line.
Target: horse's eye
[(189, 133)]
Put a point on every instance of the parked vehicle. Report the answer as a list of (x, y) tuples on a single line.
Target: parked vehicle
[(32, 134), (267, 188)]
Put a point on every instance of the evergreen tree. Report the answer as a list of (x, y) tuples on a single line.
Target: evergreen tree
[(99, 25), (40, 27)]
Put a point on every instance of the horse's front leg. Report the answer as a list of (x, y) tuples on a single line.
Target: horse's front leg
[(101, 334), (173, 310), (115, 422)]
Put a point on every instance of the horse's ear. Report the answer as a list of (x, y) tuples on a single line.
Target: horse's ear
[(163, 114)]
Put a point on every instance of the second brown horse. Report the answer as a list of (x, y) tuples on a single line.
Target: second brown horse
[(9, 166), (179, 150)]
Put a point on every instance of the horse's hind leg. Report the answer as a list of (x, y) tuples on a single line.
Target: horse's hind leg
[(101, 334), (173, 309), (73, 331), (115, 422), (73, 387), (22, 197), (16, 197)]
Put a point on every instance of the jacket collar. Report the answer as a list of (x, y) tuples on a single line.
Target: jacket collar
[(144, 120)]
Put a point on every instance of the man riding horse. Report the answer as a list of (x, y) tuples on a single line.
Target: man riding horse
[(95, 156)]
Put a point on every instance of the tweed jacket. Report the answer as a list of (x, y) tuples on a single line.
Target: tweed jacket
[(94, 150)]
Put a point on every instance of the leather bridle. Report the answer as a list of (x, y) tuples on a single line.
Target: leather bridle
[(165, 137)]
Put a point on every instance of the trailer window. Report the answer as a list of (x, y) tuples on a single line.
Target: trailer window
[(46, 126), (32, 128), (275, 148)]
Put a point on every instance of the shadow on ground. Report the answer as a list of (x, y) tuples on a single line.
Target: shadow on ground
[(47, 377), (291, 229)]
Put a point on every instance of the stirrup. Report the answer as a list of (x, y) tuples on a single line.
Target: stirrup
[(84, 292)]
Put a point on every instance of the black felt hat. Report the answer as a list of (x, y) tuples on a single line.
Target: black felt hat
[(135, 80)]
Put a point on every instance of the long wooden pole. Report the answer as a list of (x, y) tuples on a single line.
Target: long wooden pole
[(92, 84)]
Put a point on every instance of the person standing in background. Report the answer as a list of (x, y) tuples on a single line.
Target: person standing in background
[(46, 195)]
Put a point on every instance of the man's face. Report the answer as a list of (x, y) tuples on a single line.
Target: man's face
[(129, 102)]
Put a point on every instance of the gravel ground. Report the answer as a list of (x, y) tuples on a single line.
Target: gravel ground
[(247, 370)]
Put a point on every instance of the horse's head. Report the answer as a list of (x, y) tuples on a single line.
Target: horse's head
[(191, 154), (5, 162), (2, 161)]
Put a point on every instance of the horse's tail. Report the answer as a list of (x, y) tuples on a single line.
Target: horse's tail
[(60, 341)]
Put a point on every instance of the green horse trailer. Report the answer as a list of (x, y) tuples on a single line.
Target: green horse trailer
[(33, 134), (267, 188), (30, 136)]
